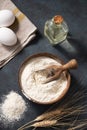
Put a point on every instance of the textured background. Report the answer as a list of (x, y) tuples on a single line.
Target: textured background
[(75, 14)]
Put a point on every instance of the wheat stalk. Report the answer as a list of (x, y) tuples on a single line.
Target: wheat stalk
[(45, 123), (79, 124), (70, 108)]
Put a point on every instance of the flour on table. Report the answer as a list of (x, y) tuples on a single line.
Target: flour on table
[(12, 108)]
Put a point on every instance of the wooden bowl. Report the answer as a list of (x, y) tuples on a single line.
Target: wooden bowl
[(22, 67)]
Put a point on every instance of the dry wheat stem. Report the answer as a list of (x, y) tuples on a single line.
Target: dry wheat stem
[(45, 123), (34, 129), (76, 97), (59, 113), (68, 108), (42, 117), (55, 114), (79, 125), (48, 115), (27, 124), (68, 113), (71, 102), (56, 128)]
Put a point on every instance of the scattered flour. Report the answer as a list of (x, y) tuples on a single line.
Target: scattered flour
[(32, 85), (13, 108)]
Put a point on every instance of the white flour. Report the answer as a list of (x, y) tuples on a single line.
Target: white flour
[(34, 88), (13, 107)]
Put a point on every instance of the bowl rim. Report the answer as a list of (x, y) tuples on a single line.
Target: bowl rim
[(24, 63)]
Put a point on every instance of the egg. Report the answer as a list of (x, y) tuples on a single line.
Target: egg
[(7, 37), (7, 18)]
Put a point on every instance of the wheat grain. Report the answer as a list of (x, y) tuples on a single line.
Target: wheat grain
[(48, 115), (45, 123)]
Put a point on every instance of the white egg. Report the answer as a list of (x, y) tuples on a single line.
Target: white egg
[(7, 18), (7, 37)]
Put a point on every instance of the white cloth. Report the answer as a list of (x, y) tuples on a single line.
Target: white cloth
[(24, 29)]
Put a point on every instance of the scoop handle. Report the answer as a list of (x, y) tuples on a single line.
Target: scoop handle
[(72, 64)]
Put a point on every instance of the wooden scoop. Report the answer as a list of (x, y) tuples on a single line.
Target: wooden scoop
[(54, 71)]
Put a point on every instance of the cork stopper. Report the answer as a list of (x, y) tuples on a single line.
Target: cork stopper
[(58, 19)]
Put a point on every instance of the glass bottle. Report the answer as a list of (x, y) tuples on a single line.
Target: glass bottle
[(56, 29)]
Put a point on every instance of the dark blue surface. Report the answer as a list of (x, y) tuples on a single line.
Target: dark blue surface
[(75, 14)]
